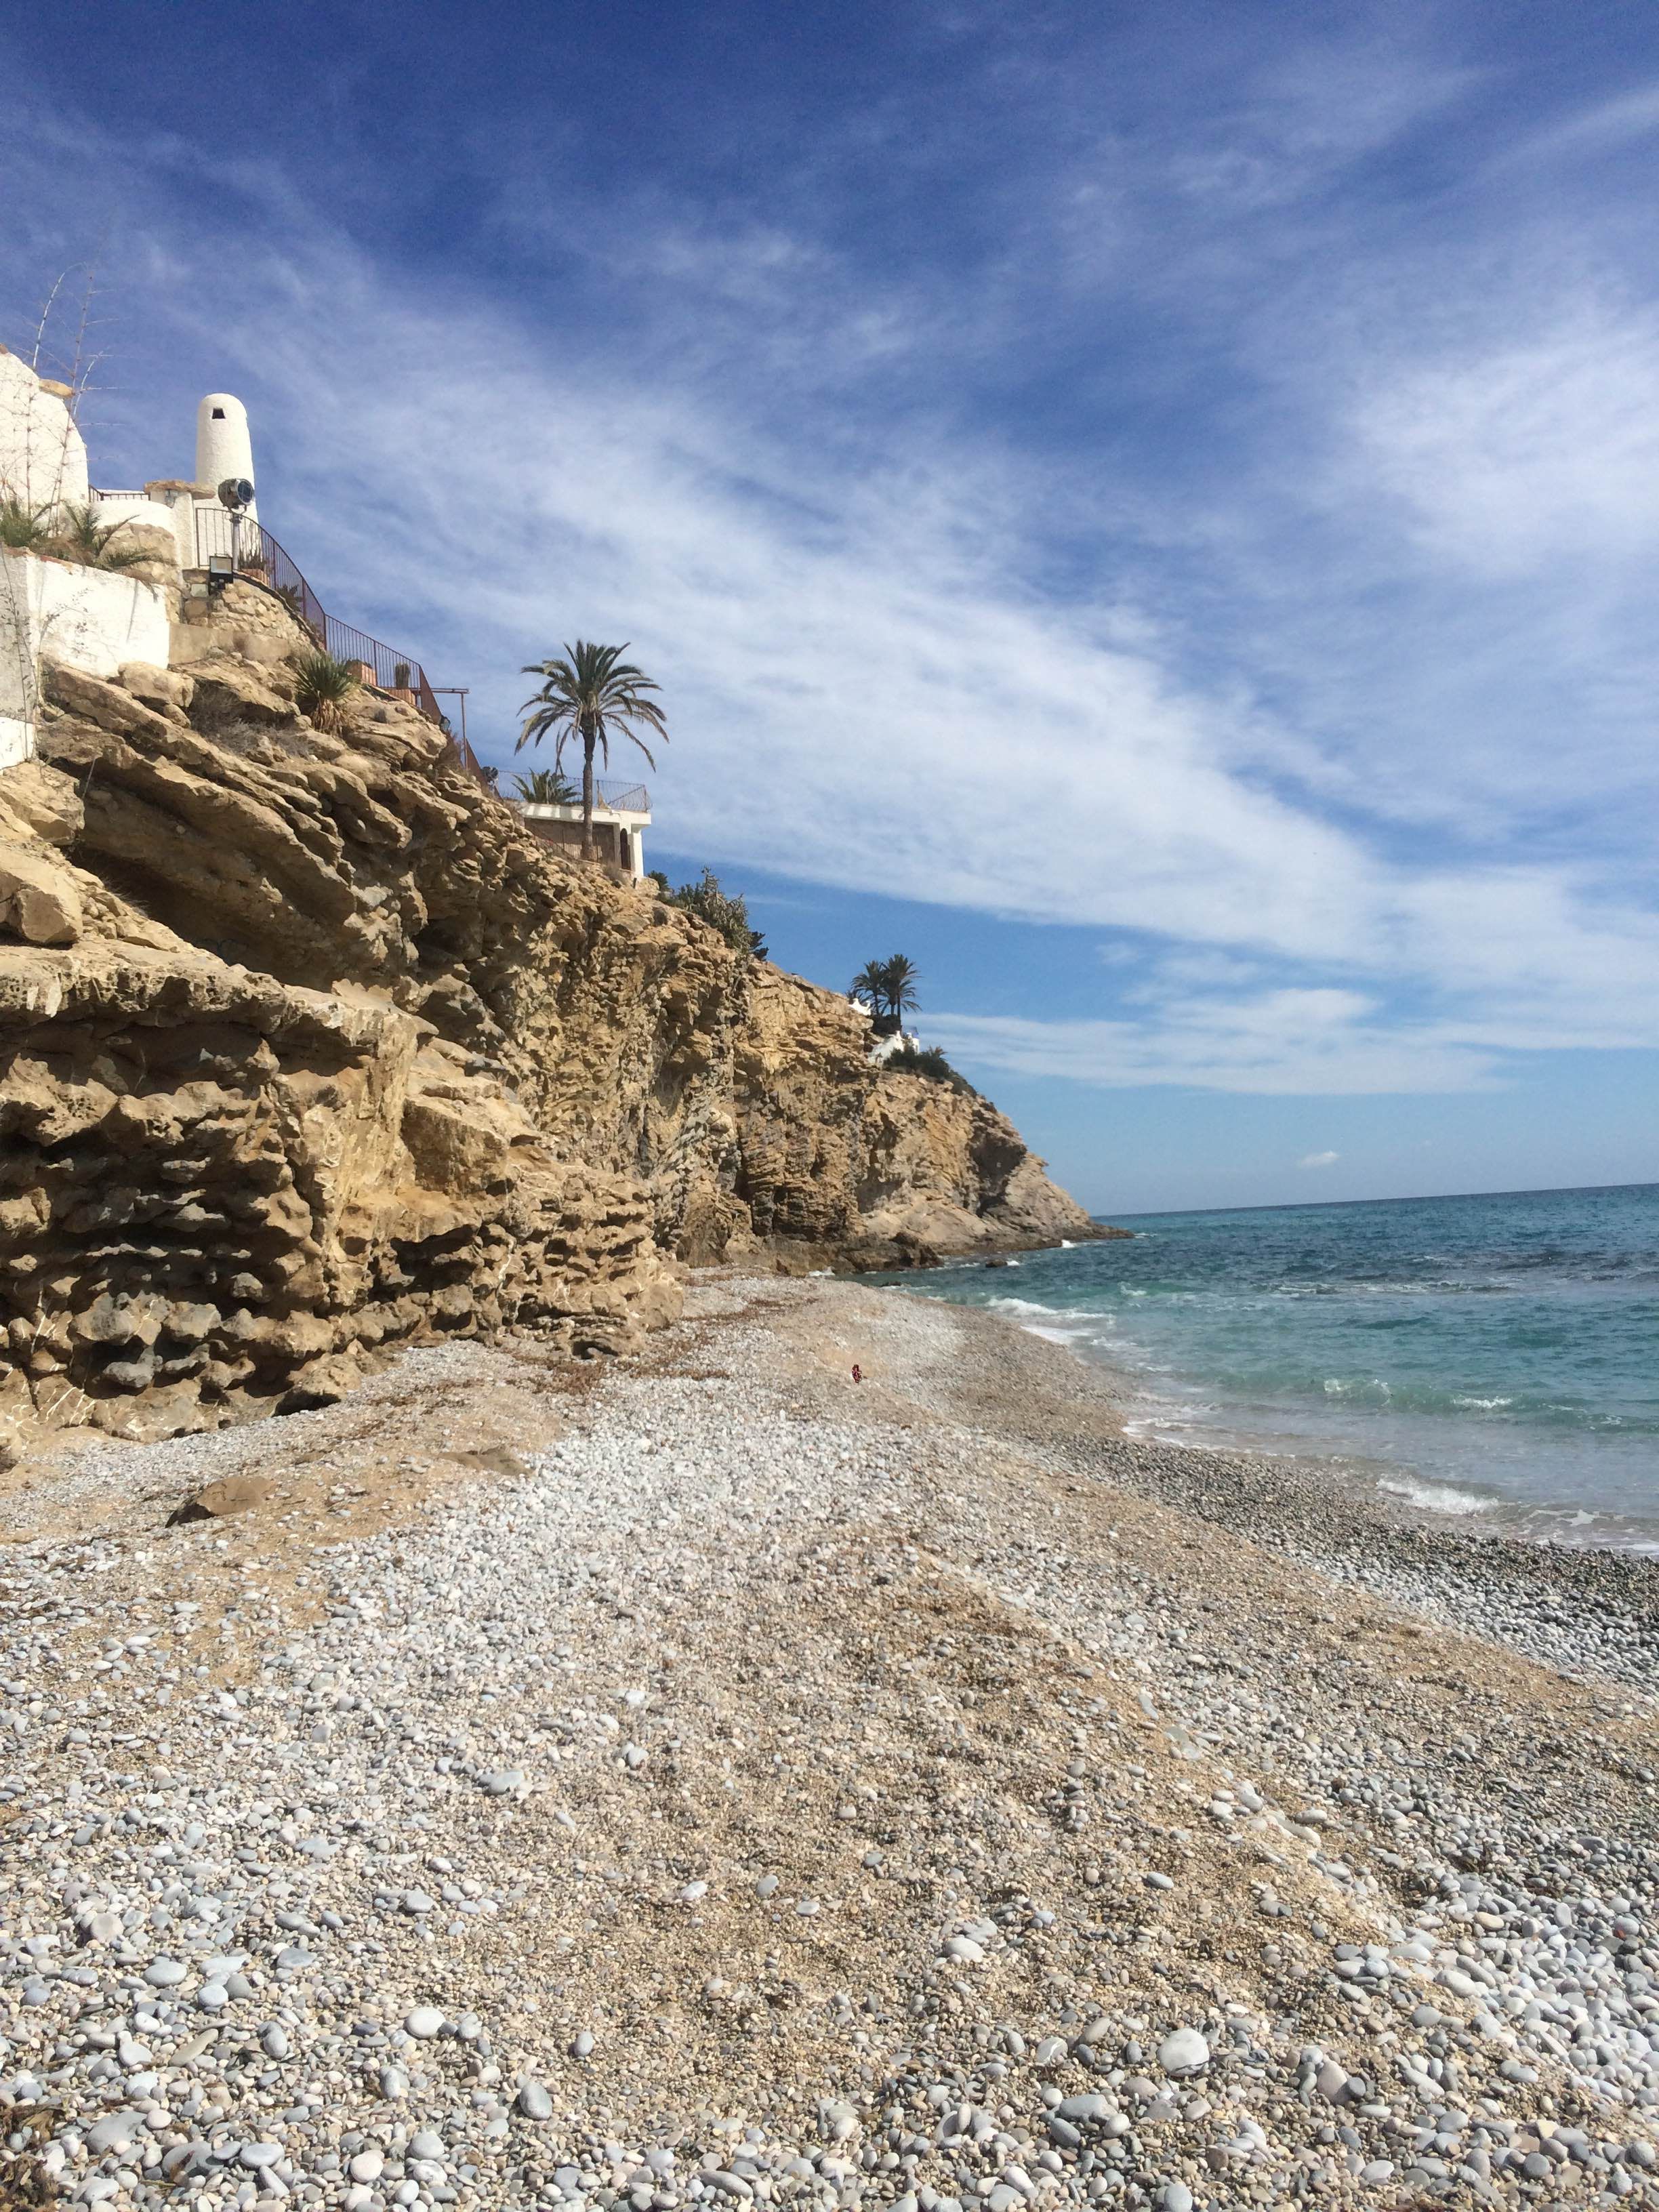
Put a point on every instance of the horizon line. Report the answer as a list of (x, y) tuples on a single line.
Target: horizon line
[(1419, 1198)]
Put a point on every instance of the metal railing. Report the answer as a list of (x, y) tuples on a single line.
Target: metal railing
[(258, 554), (624, 797), (609, 798)]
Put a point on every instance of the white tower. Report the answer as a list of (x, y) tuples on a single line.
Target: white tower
[(223, 447)]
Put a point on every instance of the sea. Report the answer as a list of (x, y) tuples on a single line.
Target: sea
[(1494, 1358)]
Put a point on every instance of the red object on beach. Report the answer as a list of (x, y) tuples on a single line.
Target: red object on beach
[(857, 1377)]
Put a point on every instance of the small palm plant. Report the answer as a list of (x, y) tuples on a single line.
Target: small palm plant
[(324, 685), (23, 527), (589, 697), (81, 536), (547, 786)]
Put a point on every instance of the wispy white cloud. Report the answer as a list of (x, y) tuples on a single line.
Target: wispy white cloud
[(867, 693), (1602, 126), (1520, 455), (1281, 724), (1319, 1159), (1277, 1043)]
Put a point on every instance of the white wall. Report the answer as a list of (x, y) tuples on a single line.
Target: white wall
[(900, 1041), (150, 525), (43, 460), (85, 617), (635, 824)]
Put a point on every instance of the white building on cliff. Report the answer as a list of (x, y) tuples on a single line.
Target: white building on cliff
[(59, 602), (86, 616)]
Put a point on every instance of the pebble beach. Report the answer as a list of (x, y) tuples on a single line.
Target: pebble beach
[(707, 1779)]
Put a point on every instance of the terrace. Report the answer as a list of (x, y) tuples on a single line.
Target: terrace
[(621, 813)]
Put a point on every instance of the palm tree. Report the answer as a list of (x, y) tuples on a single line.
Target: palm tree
[(868, 988), (547, 786), (588, 695), (899, 978), (888, 987)]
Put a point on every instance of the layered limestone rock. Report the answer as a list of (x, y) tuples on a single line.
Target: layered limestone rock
[(307, 1047)]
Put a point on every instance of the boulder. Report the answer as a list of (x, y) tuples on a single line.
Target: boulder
[(93, 700), (41, 802), (39, 899), (168, 690), (228, 690), (223, 1500)]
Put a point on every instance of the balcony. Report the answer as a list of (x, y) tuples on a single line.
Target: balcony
[(621, 812)]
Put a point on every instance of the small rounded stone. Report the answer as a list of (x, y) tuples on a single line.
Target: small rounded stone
[(1185, 2052)]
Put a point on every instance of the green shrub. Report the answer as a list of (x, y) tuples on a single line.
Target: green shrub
[(928, 1061), (726, 911)]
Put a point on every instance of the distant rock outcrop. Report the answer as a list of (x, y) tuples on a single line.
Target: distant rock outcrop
[(307, 1049)]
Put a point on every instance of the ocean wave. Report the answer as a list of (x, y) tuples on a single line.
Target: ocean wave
[(1405, 1286), (1014, 1305), (1487, 1366), (1435, 1497)]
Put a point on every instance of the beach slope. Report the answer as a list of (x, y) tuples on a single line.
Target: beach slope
[(708, 1778)]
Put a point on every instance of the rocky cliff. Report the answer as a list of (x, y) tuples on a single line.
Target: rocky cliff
[(307, 1047)]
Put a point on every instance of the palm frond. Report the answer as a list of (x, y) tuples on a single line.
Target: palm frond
[(23, 527)]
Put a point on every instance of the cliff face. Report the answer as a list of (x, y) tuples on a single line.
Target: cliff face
[(306, 1047)]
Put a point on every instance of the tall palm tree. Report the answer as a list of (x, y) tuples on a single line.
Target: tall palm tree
[(888, 987), (899, 978), (546, 786), (868, 987), (589, 695)]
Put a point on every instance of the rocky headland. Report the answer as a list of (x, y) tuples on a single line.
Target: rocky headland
[(309, 1049)]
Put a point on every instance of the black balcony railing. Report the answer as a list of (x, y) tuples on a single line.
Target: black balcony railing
[(260, 557)]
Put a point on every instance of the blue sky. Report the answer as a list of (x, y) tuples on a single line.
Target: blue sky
[(1153, 511)]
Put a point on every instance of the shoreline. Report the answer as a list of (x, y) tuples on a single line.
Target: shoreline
[(1315, 1511), (704, 1779), (1374, 1479)]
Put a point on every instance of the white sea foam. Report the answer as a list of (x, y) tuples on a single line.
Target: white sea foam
[(1435, 1497), (1049, 1313), (1484, 1405)]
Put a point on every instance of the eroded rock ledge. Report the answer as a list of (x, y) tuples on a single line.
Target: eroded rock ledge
[(307, 1049)]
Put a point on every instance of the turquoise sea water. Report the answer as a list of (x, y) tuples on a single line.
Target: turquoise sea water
[(1495, 1358)]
